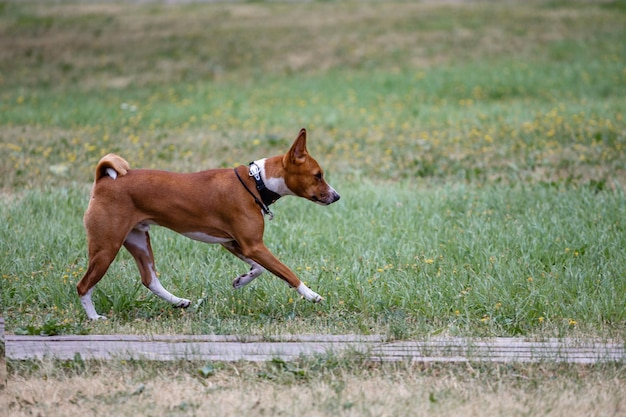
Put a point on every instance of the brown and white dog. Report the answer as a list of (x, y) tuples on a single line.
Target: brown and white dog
[(225, 206)]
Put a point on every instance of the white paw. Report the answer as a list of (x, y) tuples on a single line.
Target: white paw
[(183, 303), (240, 281), (309, 294), (98, 317), (245, 279)]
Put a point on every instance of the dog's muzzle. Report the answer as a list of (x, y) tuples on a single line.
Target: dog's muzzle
[(326, 198)]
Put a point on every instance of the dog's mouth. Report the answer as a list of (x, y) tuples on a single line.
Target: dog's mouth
[(325, 200)]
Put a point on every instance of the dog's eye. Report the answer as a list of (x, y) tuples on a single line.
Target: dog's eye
[(319, 176)]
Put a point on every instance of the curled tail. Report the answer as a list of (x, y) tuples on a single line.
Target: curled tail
[(111, 165)]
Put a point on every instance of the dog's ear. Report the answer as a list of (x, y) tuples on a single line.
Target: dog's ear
[(298, 152)]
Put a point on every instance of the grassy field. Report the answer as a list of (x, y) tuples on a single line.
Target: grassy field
[(495, 261), (478, 148)]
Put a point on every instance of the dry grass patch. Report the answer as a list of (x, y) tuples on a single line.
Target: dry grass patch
[(305, 389)]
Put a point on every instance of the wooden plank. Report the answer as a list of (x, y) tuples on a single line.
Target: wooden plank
[(503, 350), (289, 347), (163, 349), (225, 348)]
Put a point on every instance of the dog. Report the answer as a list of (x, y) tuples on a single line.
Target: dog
[(225, 206)]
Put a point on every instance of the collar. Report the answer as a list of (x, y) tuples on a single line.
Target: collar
[(267, 196)]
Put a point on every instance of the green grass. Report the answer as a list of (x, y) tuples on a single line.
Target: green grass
[(506, 123), (479, 150), (513, 91), (389, 258)]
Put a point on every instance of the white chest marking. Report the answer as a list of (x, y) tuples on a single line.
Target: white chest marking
[(203, 237)]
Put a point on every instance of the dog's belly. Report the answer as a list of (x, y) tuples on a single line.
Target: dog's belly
[(203, 237), (144, 226)]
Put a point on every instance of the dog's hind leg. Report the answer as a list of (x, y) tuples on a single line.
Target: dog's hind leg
[(255, 269), (98, 266), (99, 261), (138, 244)]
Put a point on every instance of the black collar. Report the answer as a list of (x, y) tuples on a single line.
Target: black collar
[(267, 196)]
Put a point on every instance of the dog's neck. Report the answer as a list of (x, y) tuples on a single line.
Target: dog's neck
[(274, 183)]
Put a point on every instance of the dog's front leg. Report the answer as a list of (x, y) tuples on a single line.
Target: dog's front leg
[(255, 269), (260, 254)]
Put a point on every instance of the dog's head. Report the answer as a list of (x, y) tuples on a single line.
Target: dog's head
[(303, 175)]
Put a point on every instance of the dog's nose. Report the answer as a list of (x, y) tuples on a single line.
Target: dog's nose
[(335, 196)]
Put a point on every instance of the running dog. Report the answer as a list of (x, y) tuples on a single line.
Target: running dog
[(225, 206)]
